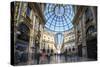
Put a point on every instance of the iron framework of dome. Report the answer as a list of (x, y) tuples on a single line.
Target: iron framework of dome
[(58, 17)]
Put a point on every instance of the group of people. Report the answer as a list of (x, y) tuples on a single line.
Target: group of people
[(42, 57)]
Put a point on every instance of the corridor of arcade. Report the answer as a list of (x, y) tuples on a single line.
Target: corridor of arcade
[(48, 33)]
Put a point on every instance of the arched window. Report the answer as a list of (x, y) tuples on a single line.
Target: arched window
[(28, 11), (90, 30)]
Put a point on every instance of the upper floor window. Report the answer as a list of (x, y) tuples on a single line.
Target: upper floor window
[(28, 11), (89, 15)]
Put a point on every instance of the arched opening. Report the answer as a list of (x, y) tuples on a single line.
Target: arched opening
[(59, 41), (59, 38)]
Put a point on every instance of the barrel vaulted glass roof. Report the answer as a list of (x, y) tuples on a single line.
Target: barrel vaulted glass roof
[(58, 17)]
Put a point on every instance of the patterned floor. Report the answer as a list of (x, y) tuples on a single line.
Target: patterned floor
[(61, 59)]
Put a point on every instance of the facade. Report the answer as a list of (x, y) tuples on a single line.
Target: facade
[(48, 41), (44, 31), (69, 42), (86, 38), (28, 28)]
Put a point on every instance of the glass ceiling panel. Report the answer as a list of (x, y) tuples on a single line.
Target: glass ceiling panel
[(58, 17)]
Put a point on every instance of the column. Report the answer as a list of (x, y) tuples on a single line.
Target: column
[(16, 10), (24, 5), (84, 47), (31, 42), (76, 39), (30, 47), (19, 11), (41, 38)]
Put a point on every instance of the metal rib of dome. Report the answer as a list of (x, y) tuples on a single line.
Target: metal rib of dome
[(58, 17)]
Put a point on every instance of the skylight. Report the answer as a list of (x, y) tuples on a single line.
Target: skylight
[(58, 17)]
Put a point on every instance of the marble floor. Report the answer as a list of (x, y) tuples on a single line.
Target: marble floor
[(60, 59), (54, 59)]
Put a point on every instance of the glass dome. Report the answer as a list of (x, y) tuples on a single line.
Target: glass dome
[(58, 17)]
